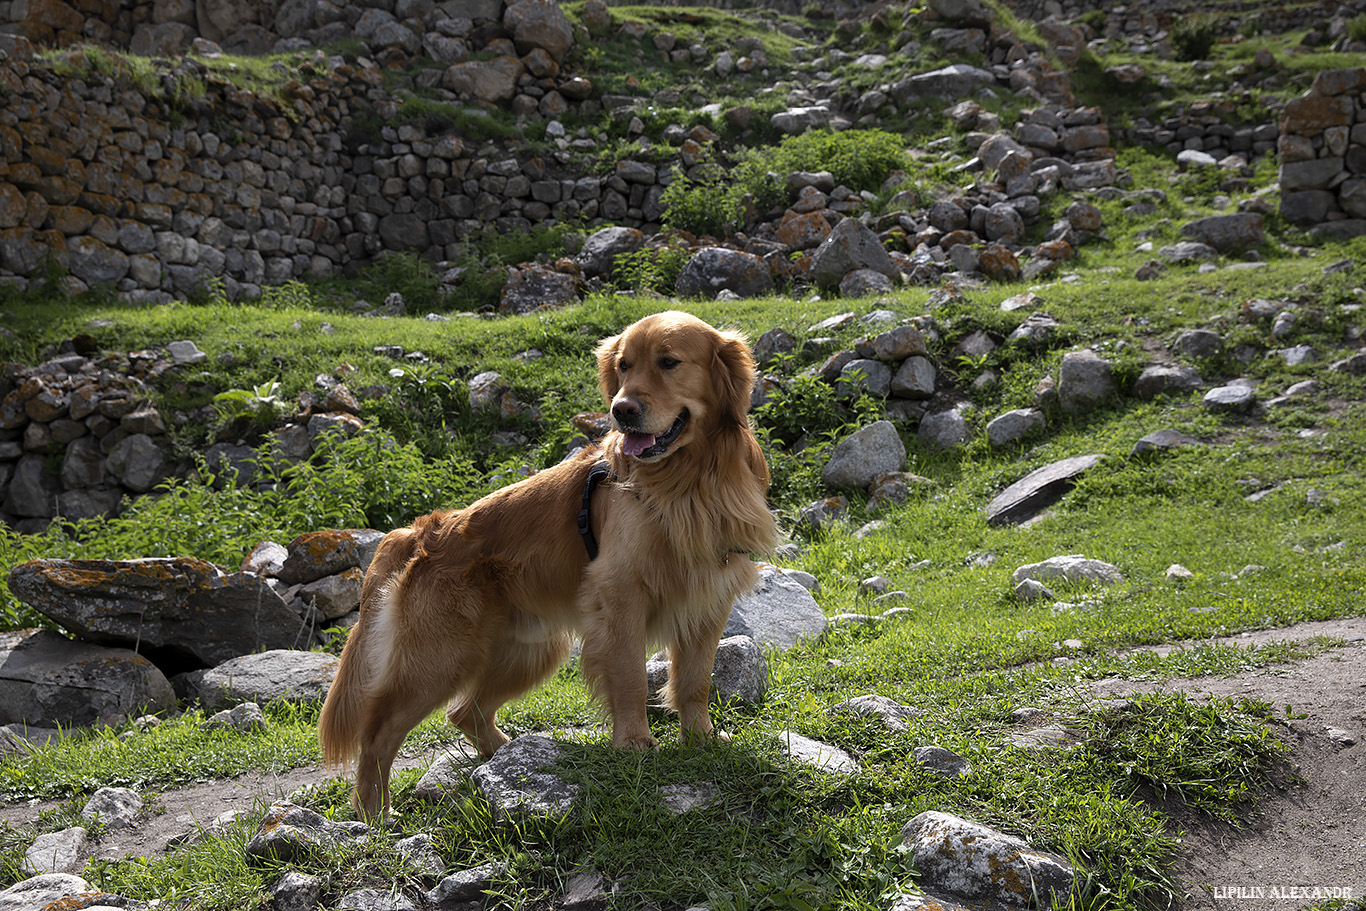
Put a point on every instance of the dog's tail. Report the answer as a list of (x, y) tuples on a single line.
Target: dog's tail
[(345, 710)]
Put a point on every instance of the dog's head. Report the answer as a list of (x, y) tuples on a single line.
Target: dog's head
[(671, 378)]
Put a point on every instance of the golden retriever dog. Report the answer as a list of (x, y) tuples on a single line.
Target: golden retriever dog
[(476, 606)]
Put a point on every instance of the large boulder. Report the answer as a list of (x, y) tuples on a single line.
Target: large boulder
[(976, 862), (600, 251), (957, 81), (183, 612), (851, 245), (1038, 490), (779, 613), (47, 680), (491, 82), (278, 675), (863, 455), (539, 24), (716, 269)]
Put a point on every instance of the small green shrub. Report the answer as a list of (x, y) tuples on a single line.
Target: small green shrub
[(259, 407), (711, 205), (650, 269), (1194, 35), (1356, 28), (1094, 19)]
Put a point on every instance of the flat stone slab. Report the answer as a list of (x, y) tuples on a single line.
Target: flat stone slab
[(1038, 490), (278, 675), (47, 680), (180, 610)]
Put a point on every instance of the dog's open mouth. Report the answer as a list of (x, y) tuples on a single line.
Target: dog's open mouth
[(649, 445)]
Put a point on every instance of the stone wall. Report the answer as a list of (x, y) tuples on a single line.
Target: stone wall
[(1323, 155), (1158, 15), (122, 188)]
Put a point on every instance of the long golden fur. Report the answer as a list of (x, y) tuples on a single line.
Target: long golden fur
[(476, 606)]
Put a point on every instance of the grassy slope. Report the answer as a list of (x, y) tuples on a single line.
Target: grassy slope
[(967, 655)]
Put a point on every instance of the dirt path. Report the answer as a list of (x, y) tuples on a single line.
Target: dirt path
[(1306, 843)]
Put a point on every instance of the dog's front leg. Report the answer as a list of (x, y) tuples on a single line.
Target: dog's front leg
[(614, 663), (690, 675)]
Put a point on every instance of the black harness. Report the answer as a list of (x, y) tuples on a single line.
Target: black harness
[(596, 475)]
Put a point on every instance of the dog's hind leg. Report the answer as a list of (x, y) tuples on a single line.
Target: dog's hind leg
[(691, 658), (514, 668), (431, 641)]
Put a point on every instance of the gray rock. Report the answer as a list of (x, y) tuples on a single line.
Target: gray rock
[(1232, 399), (739, 671), (47, 680), (137, 462), (1037, 490), (276, 675), (1073, 568), (942, 761), (980, 863), (773, 344), (334, 596), (375, 900), (1162, 440), (1199, 344), (448, 774), (956, 81), (945, 429), (295, 891), (1227, 232), (864, 283), (56, 852), (455, 891), (821, 756), (1085, 380), (289, 832), (1355, 365), (519, 779), (893, 346), (1032, 590), (914, 379), (715, 269), (851, 245), (864, 375), (893, 714), (1037, 329), (684, 798), (779, 613), (863, 455), (183, 605), (534, 286), (245, 718), (56, 890), (1188, 252), (600, 251), (316, 554), (824, 513), (1158, 379), (419, 851), (32, 492), (1014, 426), (114, 808), (907, 901)]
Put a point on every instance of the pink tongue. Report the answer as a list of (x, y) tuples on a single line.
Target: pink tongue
[(636, 443)]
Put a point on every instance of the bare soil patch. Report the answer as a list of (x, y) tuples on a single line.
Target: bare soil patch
[(1303, 843)]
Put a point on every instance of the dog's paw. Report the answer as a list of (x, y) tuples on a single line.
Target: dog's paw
[(642, 742)]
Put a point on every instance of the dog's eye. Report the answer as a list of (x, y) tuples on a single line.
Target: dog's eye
[(668, 363), (623, 366)]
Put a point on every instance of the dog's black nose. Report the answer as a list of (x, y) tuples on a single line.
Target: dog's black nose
[(627, 410)]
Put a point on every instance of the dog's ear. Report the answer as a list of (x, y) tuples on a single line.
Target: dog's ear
[(733, 376), (608, 380)]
